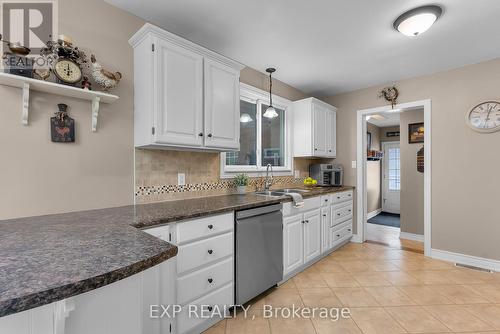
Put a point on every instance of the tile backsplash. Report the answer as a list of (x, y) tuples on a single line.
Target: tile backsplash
[(156, 175)]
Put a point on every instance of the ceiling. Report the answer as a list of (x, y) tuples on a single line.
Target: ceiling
[(325, 47), (385, 119)]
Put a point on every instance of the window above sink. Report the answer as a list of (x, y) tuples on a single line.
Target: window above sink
[(262, 140)]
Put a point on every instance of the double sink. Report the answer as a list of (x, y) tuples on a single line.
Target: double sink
[(280, 192)]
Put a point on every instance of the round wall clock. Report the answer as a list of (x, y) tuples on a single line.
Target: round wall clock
[(485, 117), (67, 71)]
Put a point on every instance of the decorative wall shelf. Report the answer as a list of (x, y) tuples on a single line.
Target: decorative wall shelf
[(27, 84)]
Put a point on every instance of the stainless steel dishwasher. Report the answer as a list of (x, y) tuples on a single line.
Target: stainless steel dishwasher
[(259, 251)]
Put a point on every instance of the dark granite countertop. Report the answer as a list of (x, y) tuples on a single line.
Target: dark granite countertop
[(49, 258)]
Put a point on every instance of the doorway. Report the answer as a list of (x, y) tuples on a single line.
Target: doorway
[(391, 172)]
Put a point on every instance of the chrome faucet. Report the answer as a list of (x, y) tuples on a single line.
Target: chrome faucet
[(269, 181)]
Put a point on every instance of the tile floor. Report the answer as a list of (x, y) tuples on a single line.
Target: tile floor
[(387, 291), (390, 236)]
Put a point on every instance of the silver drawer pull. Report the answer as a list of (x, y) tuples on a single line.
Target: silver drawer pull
[(210, 251), (338, 214), (349, 210), (324, 215), (210, 280), (349, 229), (338, 235)]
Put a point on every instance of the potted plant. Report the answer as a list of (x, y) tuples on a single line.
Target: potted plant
[(241, 183)]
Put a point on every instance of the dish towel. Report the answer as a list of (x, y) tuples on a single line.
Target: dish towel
[(298, 201)]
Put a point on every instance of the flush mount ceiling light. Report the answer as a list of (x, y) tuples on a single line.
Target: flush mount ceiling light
[(246, 118), (418, 20), (270, 111)]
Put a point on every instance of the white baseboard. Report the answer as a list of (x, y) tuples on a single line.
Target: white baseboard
[(466, 259), (372, 214), (411, 236), (357, 239)]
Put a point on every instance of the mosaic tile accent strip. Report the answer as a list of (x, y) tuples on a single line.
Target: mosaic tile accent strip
[(222, 184)]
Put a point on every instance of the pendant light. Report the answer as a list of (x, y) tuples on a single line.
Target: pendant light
[(246, 118), (418, 20), (270, 111)]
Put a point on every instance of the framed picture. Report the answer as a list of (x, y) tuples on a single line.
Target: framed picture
[(368, 141), (415, 133)]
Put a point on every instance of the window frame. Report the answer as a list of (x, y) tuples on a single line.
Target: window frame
[(259, 97)]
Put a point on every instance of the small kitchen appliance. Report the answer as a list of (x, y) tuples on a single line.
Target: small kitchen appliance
[(327, 175)]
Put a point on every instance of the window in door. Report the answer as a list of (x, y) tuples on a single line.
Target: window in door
[(394, 169)]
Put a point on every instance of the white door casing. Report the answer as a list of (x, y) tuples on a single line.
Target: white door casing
[(391, 177)]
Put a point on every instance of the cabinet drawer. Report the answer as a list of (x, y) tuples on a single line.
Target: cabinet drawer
[(204, 281), (215, 300), (162, 232), (205, 251), (204, 227), (342, 196), (341, 232), (309, 204), (341, 213), (325, 200)]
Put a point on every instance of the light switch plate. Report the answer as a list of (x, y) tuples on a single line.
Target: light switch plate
[(297, 174), (181, 179), (353, 164)]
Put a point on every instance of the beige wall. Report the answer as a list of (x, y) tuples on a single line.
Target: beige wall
[(373, 172), (412, 181), (41, 177), (465, 193)]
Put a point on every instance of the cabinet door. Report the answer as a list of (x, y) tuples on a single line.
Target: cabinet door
[(178, 96), (222, 106), (319, 129), (312, 235), (325, 229), (331, 133), (293, 244)]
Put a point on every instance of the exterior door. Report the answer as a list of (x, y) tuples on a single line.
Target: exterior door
[(319, 125), (293, 247), (391, 180), (179, 96), (312, 235), (222, 106)]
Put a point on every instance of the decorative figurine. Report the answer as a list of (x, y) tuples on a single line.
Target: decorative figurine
[(104, 78), (390, 94), (86, 83), (62, 127)]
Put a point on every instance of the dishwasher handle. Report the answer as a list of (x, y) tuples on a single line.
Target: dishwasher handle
[(258, 211)]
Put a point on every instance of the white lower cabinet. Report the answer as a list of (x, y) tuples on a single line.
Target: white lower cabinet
[(205, 270), (122, 307), (301, 239), (321, 225)]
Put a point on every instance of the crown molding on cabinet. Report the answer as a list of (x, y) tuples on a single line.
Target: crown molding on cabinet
[(148, 28)]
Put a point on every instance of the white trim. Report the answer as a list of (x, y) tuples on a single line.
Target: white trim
[(466, 259), (411, 236), (254, 95), (361, 166), (373, 214)]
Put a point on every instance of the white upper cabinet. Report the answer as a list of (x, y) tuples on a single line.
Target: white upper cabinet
[(185, 96), (222, 105), (179, 117), (314, 130)]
